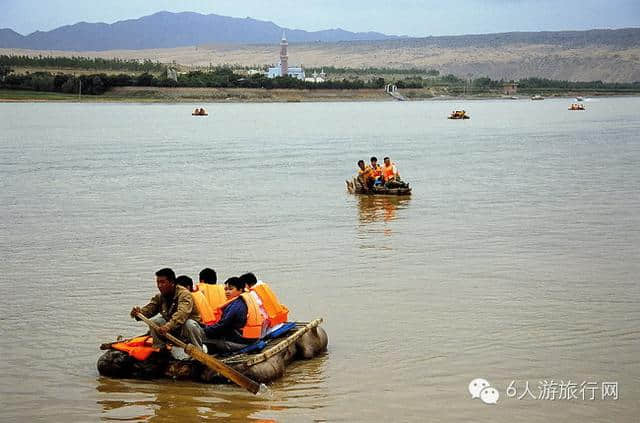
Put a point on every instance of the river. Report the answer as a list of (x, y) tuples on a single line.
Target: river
[(516, 259)]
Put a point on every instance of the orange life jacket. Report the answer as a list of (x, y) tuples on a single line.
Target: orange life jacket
[(253, 328), (388, 172), (206, 311), (214, 294), (276, 311), (377, 171), (139, 348)]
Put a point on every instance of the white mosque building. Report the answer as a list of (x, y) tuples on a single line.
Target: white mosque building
[(283, 68)]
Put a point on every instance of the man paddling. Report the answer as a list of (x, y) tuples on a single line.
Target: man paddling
[(173, 310)]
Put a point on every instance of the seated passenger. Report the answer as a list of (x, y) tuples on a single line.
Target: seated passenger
[(240, 323), (389, 171), (274, 312), (214, 293), (207, 316), (185, 281), (390, 175), (376, 171), (365, 175)]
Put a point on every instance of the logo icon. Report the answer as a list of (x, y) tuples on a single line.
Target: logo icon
[(481, 388)]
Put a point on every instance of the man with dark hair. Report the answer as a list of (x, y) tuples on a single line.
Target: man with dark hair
[(390, 175), (208, 276), (376, 171), (214, 293), (249, 279), (274, 312), (365, 175), (185, 281), (173, 310), (241, 321)]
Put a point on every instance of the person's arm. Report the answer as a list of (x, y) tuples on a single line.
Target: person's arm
[(149, 310), (183, 311), (233, 314)]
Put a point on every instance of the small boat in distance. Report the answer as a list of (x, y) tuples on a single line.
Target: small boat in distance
[(199, 112), (537, 97), (576, 106), (459, 114), (579, 98)]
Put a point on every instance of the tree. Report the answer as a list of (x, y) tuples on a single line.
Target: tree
[(4, 71)]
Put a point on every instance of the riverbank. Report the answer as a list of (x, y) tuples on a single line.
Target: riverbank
[(258, 95)]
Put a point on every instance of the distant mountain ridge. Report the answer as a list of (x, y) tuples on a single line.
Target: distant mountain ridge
[(168, 30)]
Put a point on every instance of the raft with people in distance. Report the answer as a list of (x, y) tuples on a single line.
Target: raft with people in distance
[(199, 112), (262, 361), (577, 106), (459, 114), (377, 180)]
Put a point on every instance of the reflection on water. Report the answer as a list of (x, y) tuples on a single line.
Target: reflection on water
[(376, 208), (379, 208), (164, 401)]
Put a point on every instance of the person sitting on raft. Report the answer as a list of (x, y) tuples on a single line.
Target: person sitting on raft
[(214, 293), (241, 321), (376, 171), (365, 175), (173, 310), (390, 175), (274, 312), (200, 302)]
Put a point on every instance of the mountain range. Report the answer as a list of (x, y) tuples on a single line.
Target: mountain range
[(168, 30), (192, 39)]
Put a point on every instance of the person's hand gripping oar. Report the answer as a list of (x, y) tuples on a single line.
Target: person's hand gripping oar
[(212, 363)]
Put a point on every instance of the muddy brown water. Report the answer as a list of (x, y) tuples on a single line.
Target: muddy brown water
[(516, 259)]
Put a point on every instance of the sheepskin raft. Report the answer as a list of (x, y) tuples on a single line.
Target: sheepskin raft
[(355, 187), (267, 362)]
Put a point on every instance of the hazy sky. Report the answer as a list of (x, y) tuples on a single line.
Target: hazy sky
[(401, 17)]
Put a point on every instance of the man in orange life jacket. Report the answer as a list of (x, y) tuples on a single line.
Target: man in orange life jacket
[(274, 313), (214, 293), (376, 170), (390, 175), (240, 324), (173, 310), (200, 302)]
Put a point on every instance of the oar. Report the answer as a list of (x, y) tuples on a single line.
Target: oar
[(204, 358)]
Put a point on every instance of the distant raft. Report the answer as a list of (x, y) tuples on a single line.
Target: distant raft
[(577, 106), (355, 187), (459, 114), (263, 361), (199, 112)]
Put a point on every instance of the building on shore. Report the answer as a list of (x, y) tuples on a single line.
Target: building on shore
[(510, 88), (283, 68), (317, 77)]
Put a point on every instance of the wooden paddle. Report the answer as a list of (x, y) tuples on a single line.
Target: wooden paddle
[(204, 358)]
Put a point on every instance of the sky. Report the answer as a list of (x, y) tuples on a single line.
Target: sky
[(416, 18)]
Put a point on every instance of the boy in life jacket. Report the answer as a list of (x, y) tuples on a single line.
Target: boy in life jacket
[(376, 171), (274, 312), (200, 302), (214, 293), (241, 321), (172, 309)]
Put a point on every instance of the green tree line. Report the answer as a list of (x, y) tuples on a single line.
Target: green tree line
[(225, 77), (82, 63)]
